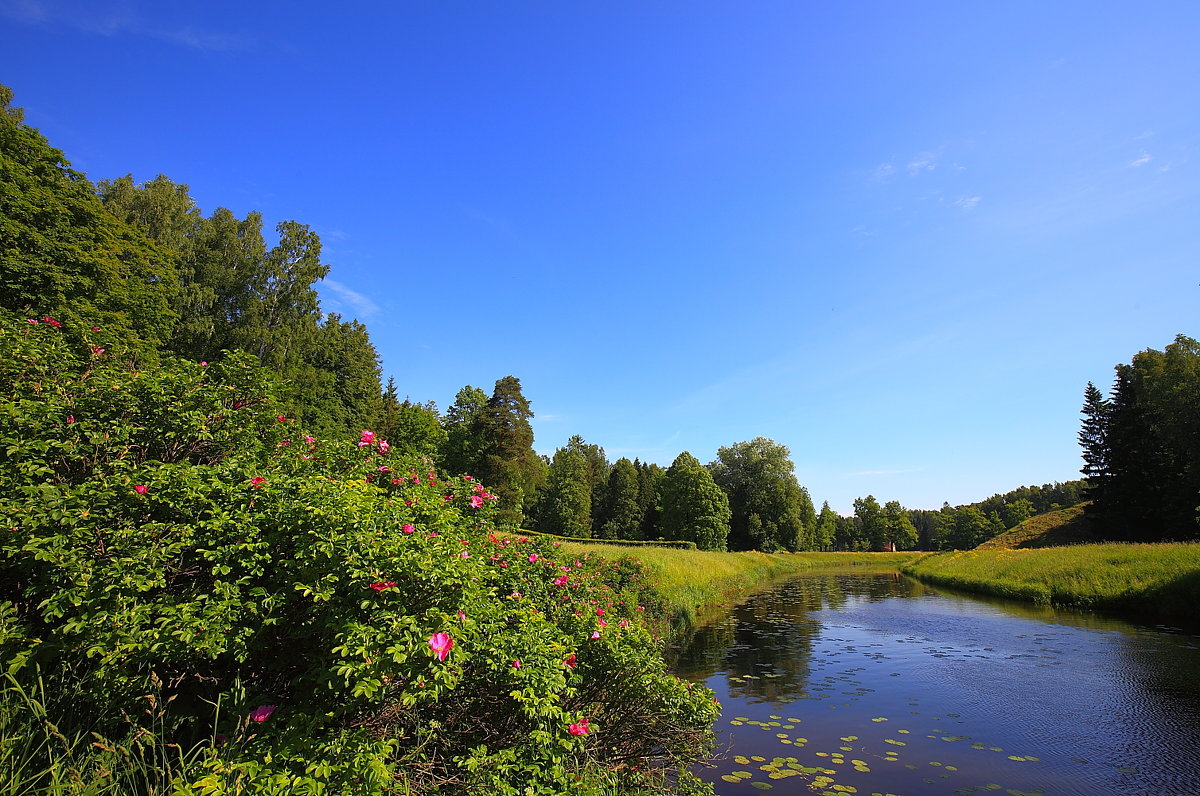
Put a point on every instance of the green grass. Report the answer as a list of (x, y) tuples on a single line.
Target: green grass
[(1052, 529), (1151, 579), (691, 581)]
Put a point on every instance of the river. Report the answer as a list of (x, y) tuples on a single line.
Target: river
[(872, 683)]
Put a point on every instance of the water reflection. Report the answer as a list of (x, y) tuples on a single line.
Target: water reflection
[(892, 686)]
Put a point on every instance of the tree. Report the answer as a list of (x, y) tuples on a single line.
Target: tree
[(871, 521), (621, 515), (1142, 446), (694, 507), (898, 527), (462, 452), (62, 254), (410, 427), (1017, 512), (508, 463), (566, 505), (827, 525), (597, 476), (971, 528), (650, 478), (771, 511)]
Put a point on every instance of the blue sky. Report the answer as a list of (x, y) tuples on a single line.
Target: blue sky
[(898, 238)]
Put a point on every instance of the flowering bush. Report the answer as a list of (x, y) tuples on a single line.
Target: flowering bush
[(327, 616)]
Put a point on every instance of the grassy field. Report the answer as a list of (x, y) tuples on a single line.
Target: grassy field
[(1149, 579), (693, 580), (1052, 529)]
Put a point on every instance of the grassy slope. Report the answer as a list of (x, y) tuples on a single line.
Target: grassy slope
[(691, 580), (1052, 529), (1151, 579)]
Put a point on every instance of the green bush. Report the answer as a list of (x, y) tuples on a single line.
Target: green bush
[(323, 616)]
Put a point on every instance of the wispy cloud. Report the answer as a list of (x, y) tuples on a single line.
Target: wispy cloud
[(1141, 160), (119, 19), (926, 161), (362, 306), (883, 171), (968, 202)]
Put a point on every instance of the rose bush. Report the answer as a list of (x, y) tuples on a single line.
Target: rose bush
[(323, 615)]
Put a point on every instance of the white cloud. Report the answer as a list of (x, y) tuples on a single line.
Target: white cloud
[(967, 202), (926, 161), (362, 306), (1142, 160), (883, 171)]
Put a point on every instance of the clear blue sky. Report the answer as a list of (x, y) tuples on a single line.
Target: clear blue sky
[(898, 238)]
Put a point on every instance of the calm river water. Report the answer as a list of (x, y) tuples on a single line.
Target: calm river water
[(876, 684)]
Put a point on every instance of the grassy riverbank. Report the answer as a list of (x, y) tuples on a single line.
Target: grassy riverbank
[(1149, 579), (691, 580)]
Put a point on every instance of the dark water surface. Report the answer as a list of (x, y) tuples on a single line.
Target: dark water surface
[(876, 684)]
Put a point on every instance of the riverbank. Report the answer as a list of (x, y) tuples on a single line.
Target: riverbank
[(693, 581), (1161, 580)]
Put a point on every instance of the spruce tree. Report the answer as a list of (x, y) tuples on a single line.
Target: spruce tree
[(621, 515)]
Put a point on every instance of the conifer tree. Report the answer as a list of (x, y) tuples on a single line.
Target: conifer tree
[(509, 465), (621, 515)]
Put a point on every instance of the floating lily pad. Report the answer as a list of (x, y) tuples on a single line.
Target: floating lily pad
[(881, 718), (762, 785)]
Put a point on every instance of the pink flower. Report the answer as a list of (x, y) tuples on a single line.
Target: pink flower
[(257, 481), (602, 623), (595, 634), (624, 623), (476, 501), (466, 478), (516, 664), (32, 320), (203, 364), (561, 580), (462, 617), (262, 712), (384, 447), (383, 584), (464, 554), (96, 350), (281, 418), (569, 661), (367, 438), (141, 489), (599, 612), (441, 644), (52, 322), (578, 728), (70, 419), (407, 528), (310, 440)]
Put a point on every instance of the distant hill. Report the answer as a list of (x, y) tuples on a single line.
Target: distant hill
[(1052, 529)]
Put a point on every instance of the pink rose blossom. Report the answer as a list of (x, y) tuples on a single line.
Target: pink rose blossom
[(476, 501), (561, 580), (516, 664), (262, 712), (441, 644), (141, 489), (383, 584), (367, 438), (569, 661), (407, 528), (257, 481), (595, 634), (578, 728)]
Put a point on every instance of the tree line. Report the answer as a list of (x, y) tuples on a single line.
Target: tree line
[(1141, 447)]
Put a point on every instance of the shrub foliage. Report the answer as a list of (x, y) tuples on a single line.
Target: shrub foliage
[(317, 616)]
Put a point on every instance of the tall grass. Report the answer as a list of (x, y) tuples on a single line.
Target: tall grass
[(41, 756), (1151, 579), (691, 580)]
